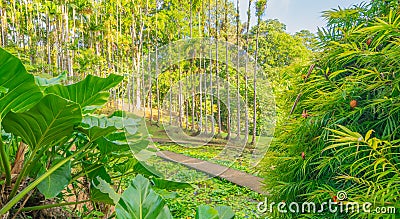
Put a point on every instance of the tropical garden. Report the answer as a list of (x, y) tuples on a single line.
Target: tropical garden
[(94, 94)]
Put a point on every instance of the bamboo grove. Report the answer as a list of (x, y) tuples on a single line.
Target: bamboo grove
[(80, 37)]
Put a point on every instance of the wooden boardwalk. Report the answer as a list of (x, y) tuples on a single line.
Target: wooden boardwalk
[(235, 176)]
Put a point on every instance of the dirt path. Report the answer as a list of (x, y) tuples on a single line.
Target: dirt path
[(232, 175)]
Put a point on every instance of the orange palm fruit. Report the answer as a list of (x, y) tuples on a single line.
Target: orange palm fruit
[(353, 104), (369, 41)]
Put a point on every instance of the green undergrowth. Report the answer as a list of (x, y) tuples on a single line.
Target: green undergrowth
[(213, 154), (215, 192), (204, 190)]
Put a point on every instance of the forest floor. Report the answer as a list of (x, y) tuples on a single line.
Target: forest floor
[(232, 189), (235, 176)]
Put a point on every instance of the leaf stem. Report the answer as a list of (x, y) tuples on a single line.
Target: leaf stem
[(5, 162), (40, 207), (22, 174), (31, 186)]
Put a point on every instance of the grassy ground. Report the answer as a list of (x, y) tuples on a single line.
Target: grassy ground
[(213, 154), (215, 192), (205, 190)]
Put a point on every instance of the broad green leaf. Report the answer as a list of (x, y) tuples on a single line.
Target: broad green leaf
[(56, 182), (22, 91), (225, 212), (95, 133), (91, 93), (166, 194), (139, 146), (102, 121), (130, 125), (140, 201), (147, 170), (166, 184), (106, 146), (206, 212), (106, 188), (98, 126), (46, 82), (48, 122), (95, 193), (118, 113), (125, 166)]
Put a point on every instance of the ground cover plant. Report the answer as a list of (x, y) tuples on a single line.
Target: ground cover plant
[(214, 154)]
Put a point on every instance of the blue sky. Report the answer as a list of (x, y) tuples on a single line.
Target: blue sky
[(298, 14)]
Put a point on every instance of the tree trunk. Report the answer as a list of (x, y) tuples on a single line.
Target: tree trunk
[(237, 71), (191, 68), (157, 87), (228, 105), (211, 73), (217, 71), (253, 140), (245, 72)]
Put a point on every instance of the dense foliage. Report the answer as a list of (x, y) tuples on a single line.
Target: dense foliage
[(343, 134), (82, 37), (62, 144), (54, 148)]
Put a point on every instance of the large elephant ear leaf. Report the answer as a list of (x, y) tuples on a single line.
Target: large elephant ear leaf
[(91, 93), (51, 186), (225, 212), (97, 126), (220, 212), (19, 91), (98, 189), (48, 122), (44, 82), (140, 201), (206, 212), (105, 188)]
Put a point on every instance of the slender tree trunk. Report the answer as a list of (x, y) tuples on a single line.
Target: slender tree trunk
[(150, 91), (245, 72), (144, 94), (170, 102), (217, 70), (228, 105), (237, 71), (2, 25), (157, 72), (253, 140), (48, 42), (211, 73), (180, 97), (191, 68), (202, 67), (187, 101)]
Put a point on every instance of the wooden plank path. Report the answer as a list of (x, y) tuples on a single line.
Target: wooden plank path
[(235, 176), (191, 142)]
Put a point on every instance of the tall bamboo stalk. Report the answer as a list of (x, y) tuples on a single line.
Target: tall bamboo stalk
[(228, 105)]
